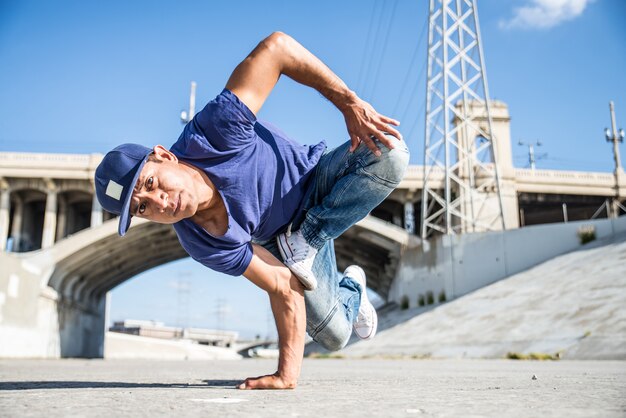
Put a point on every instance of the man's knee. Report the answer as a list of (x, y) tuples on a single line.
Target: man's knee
[(332, 341), (399, 161), (392, 164)]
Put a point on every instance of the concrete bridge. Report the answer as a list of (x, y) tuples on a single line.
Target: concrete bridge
[(61, 253)]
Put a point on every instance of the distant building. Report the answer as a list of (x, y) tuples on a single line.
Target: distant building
[(157, 329)]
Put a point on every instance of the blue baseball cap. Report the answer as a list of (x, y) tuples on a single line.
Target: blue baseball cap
[(116, 177)]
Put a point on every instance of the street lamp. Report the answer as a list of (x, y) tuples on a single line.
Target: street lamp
[(615, 136), (610, 137), (531, 152), (186, 117)]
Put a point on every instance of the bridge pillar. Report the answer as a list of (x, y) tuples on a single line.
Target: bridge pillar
[(484, 204), (16, 225), (5, 203), (61, 217), (96, 212), (81, 327), (50, 218), (409, 217)]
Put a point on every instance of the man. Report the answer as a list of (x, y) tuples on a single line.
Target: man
[(246, 199)]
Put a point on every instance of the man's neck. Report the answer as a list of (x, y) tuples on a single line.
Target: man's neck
[(208, 196)]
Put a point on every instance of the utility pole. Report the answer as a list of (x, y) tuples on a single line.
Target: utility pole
[(183, 289), (186, 117), (531, 152), (616, 136), (220, 312)]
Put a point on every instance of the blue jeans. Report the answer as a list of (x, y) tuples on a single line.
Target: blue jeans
[(347, 186)]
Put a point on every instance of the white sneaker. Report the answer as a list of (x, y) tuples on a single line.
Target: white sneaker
[(298, 255), (366, 322)]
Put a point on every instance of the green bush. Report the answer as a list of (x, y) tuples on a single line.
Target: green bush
[(420, 300), (430, 298), (533, 356), (404, 302), (442, 296), (586, 234), (326, 355)]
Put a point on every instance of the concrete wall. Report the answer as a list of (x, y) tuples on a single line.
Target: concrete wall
[(28, 311), (81, 329), (36, 323), (124, 346), (457, 265)]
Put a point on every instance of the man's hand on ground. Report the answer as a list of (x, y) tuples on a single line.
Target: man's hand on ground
[(271, 381), (363, 122), (287, 301)]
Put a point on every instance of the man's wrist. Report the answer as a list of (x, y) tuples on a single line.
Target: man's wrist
[(290, 380), (288, 373), (339, 95), (345, 101)]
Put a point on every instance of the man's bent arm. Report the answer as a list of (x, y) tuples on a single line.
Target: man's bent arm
[(287, 301), (255, 77)]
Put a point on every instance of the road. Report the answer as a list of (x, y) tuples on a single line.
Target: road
[(328, 388)]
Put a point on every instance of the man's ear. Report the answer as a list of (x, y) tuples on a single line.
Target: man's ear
[(162, 154)]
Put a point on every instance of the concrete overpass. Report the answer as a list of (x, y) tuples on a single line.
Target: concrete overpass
[(61, 254)]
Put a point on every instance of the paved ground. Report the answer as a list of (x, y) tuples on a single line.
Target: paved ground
[(328, 388)]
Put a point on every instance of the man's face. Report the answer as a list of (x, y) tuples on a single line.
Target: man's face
[(164, 192)]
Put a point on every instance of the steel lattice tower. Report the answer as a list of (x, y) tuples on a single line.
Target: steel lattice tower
[(459, 147)]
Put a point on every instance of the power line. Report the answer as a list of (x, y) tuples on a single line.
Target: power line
[(383, 49), (414, 125), (367, 54), (568, 160), (409, 68), (367, 45), (375, 54), (408, 107)]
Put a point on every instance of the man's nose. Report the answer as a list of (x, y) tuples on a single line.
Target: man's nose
[(159, 200)]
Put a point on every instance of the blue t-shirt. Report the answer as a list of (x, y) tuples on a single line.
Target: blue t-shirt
[(261, 174)]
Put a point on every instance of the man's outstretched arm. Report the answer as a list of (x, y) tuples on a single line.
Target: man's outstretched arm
[(255, 77), (287, 301)]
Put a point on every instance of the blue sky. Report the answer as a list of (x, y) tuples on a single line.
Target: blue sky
[(83, 76)]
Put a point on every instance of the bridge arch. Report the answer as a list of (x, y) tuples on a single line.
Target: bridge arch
[(76, 273), (90, 263)]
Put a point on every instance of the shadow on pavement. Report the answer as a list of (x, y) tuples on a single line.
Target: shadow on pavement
[(60, 384)]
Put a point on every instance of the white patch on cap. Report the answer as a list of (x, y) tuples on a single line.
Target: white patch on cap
[(114, 190)]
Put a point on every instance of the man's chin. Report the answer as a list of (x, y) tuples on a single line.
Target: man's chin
[(166, 221)]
